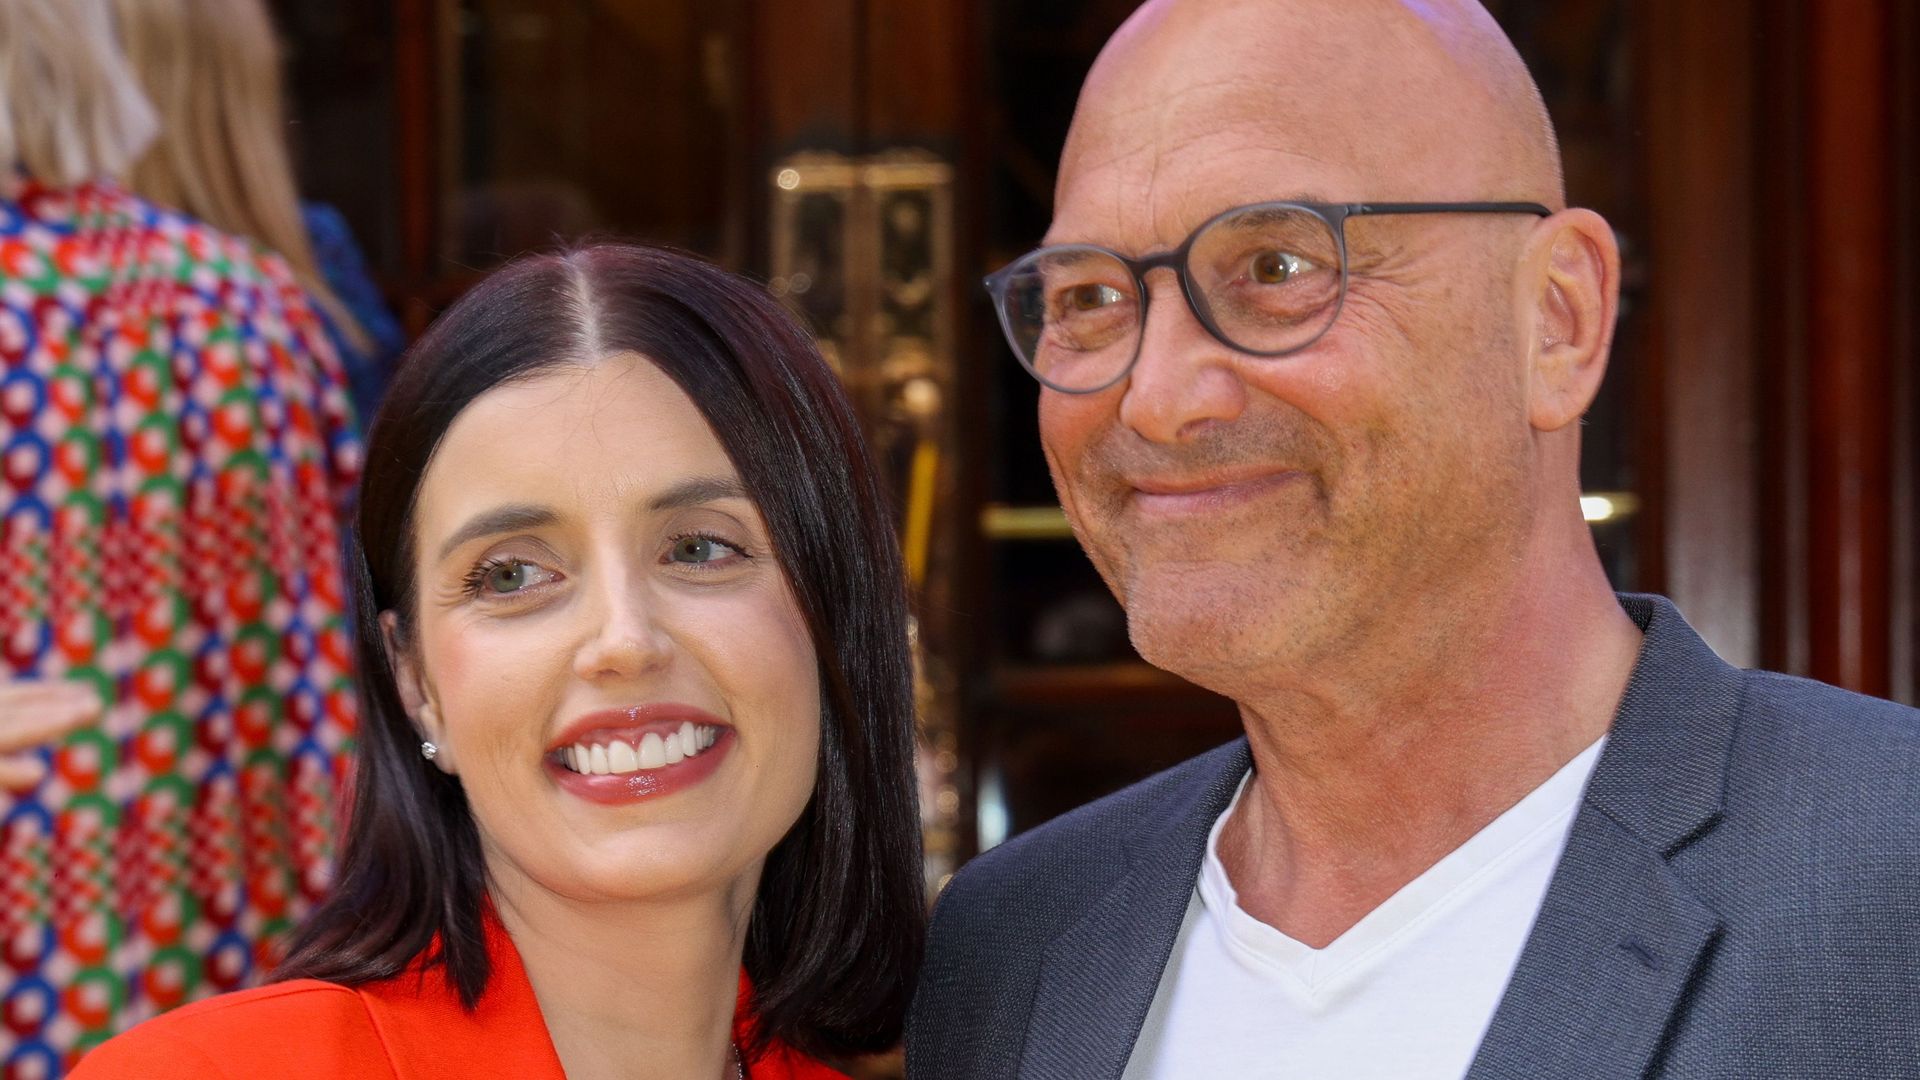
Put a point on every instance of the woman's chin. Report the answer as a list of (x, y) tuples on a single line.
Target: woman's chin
[(662, 863)]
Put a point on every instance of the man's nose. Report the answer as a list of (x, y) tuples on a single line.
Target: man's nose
[(625, 636), (1183, 378)]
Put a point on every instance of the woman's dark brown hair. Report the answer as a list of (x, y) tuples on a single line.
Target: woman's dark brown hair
[(837, 926)]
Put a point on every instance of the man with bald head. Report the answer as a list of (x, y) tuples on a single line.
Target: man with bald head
[(1315, 329)]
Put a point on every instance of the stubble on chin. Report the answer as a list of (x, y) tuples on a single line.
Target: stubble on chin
[(1213, 595)]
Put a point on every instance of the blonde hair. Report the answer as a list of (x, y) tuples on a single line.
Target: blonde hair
[(71, 109), (213, 69)]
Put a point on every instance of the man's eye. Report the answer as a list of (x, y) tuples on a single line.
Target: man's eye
[(1091, 297), (702, 549), (1276, 267)]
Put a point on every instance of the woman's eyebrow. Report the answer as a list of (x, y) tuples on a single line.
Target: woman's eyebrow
[(500, 519), (697, 490)]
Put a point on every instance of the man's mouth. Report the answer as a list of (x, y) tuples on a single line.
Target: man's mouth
[(1176, 497)]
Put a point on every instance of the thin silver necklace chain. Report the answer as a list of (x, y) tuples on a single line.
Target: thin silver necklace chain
[(739, 1064)]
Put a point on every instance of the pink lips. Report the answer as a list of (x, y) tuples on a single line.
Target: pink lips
[(630, 726), (1175, 497)]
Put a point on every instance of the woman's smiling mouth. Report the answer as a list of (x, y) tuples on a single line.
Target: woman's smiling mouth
[(642, 752), (652, 751)]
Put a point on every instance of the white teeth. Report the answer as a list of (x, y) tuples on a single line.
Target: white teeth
[(653, 751), (621, 758)]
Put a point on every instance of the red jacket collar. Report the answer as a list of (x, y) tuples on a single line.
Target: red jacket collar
[(429, 1036)]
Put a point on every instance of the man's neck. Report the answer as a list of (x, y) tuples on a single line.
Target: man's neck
[(632, 990), (1367, 776)]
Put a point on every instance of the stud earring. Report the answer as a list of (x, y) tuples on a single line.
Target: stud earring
[(428, 750)]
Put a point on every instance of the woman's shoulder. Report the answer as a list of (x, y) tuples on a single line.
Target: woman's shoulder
[(303, 1027)]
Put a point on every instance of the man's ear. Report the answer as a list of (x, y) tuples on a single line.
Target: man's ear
[(414, 696), (1573, 293)]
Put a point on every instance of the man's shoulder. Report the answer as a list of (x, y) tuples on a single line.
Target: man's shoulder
[(1811, 731), (1802, 740), (1817, 822), (997, 917), (1076, 857)]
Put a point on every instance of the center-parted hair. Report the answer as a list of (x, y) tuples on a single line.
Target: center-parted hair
[(836, 931)]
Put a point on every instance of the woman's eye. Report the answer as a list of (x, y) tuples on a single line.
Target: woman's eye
[(510, 576), (702, 549), (1276, 267)]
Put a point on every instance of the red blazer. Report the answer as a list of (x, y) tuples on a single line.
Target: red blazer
[(410, 1027)]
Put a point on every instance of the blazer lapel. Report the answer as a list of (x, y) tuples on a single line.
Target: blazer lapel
[(429, 1036), (1619, 934), (1098, 978)]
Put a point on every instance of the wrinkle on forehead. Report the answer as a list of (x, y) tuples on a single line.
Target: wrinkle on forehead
[(1150, 200)]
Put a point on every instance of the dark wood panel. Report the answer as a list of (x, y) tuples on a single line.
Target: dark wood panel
[(416, 95), (916, 51), (808, 68), (1850, 378), (1782, 283), (1905, 646), (1698, 101)]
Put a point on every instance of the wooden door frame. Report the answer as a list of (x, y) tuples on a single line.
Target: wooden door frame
[(1784, 232)]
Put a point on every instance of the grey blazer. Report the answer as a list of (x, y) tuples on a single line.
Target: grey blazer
[(1739, 898)]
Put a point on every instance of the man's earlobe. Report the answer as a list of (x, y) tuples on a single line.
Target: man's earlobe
[(1577, 299)]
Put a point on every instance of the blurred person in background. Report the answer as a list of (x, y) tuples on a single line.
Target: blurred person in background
[(175, 443), (212, 68), (33, 714), (101, 134)]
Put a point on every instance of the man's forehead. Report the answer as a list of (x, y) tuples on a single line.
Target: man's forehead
[(1250, 124), (1197, 106), (1144, 192)]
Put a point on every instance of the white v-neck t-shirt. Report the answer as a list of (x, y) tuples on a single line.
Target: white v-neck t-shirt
[(1405, 994)]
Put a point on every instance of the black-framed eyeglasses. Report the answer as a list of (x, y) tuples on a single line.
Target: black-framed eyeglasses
[(1267, 279)]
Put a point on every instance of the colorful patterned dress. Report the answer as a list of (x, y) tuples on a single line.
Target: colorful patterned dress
[(176, 445)]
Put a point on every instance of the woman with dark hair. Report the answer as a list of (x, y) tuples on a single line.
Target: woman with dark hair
[(634, 793)]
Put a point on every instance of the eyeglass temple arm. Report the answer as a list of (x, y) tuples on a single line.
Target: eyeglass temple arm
[(1363, 209)]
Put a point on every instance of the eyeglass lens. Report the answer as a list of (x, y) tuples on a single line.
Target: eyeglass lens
[(1267, 278)]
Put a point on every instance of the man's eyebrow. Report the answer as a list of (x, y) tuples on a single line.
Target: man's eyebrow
[(1053, 240), (697, 490), (500, 519)]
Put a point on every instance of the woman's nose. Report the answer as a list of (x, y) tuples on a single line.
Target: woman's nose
[(626, 638)]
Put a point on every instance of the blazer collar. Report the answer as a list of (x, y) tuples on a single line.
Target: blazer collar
[(1663, 774), (429, 1036), (1098, 978), (1620, 934)]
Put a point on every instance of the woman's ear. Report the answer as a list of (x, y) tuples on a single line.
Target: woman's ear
[(415, 697)]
